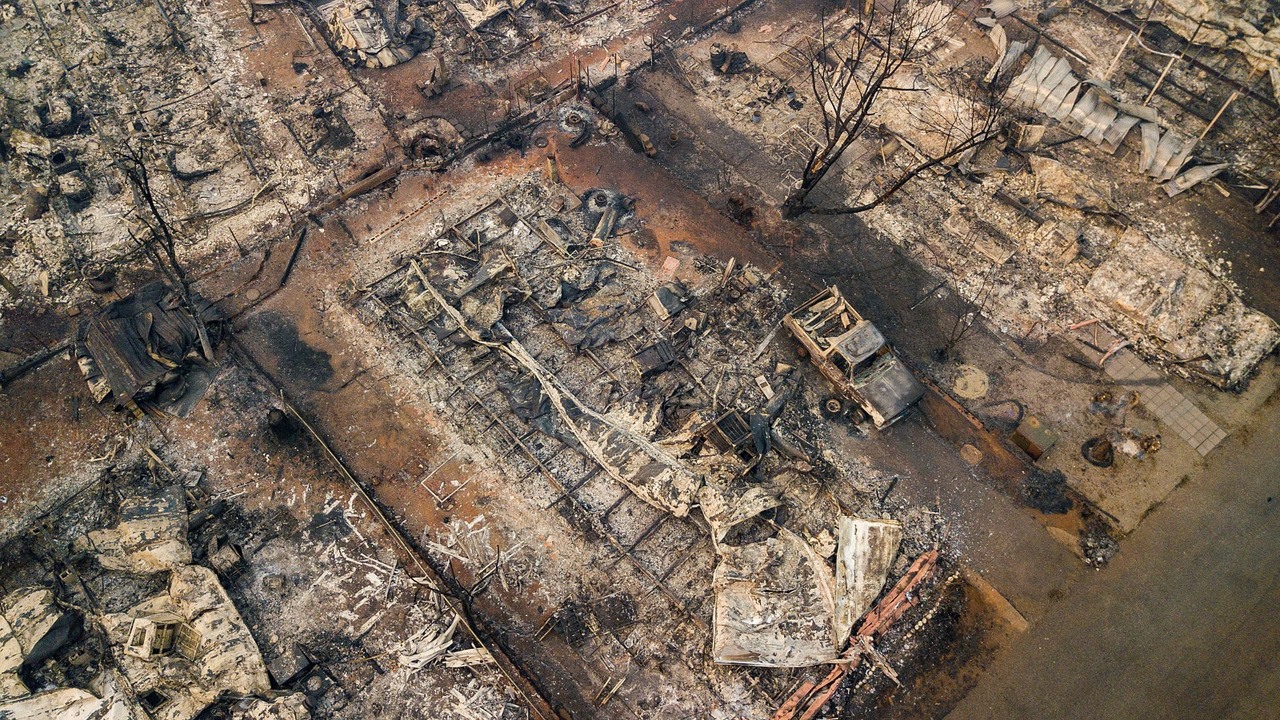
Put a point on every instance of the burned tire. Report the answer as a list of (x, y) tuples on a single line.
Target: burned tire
[(857, 415), (833, 407), (802, 352)]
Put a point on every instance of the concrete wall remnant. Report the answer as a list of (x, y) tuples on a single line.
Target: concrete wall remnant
[(864, 556), (151, 536)]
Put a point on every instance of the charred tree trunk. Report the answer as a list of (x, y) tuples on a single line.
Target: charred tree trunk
[(851, 74), (160, 242)]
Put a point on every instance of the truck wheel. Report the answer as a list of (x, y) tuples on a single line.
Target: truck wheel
[(833, 407), (802, 352), (857, 415)]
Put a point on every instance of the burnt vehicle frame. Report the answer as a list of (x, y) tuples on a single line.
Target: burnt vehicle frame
[(852, 354)]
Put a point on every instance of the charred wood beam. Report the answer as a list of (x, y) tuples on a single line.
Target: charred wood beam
[(1041, 32), (521, 356), (574, 488), (658, 522), (293, 257), (28, 364), (482, 47), (1192, 95), (1193, 61), (594, 13), (1164, 93)]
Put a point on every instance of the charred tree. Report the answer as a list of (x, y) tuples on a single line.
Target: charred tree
[(852, 74), (158, 240)]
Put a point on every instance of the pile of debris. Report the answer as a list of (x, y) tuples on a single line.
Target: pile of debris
[(168, 656), (145, 351), (1250, 28), (359, 34), (779, 605), (1180, 311), (663, 386), (1089, 110)]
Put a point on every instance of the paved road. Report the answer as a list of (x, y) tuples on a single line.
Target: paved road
[(994, 536), (1185, 621)]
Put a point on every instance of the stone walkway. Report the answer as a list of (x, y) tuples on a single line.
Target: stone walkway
[(1169, 405)]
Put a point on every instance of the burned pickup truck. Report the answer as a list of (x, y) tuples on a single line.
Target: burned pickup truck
[(854, 356)]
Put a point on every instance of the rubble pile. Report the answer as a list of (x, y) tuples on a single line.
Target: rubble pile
[(1246, 26), (90, 89), (359, 33), (1181, 311), (158, 610), (145, 350), (1034, 243), (117, 650), (532, 319), (444, 398)]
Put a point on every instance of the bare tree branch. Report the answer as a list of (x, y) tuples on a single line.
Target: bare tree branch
[(853, 75), (159, 242)]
